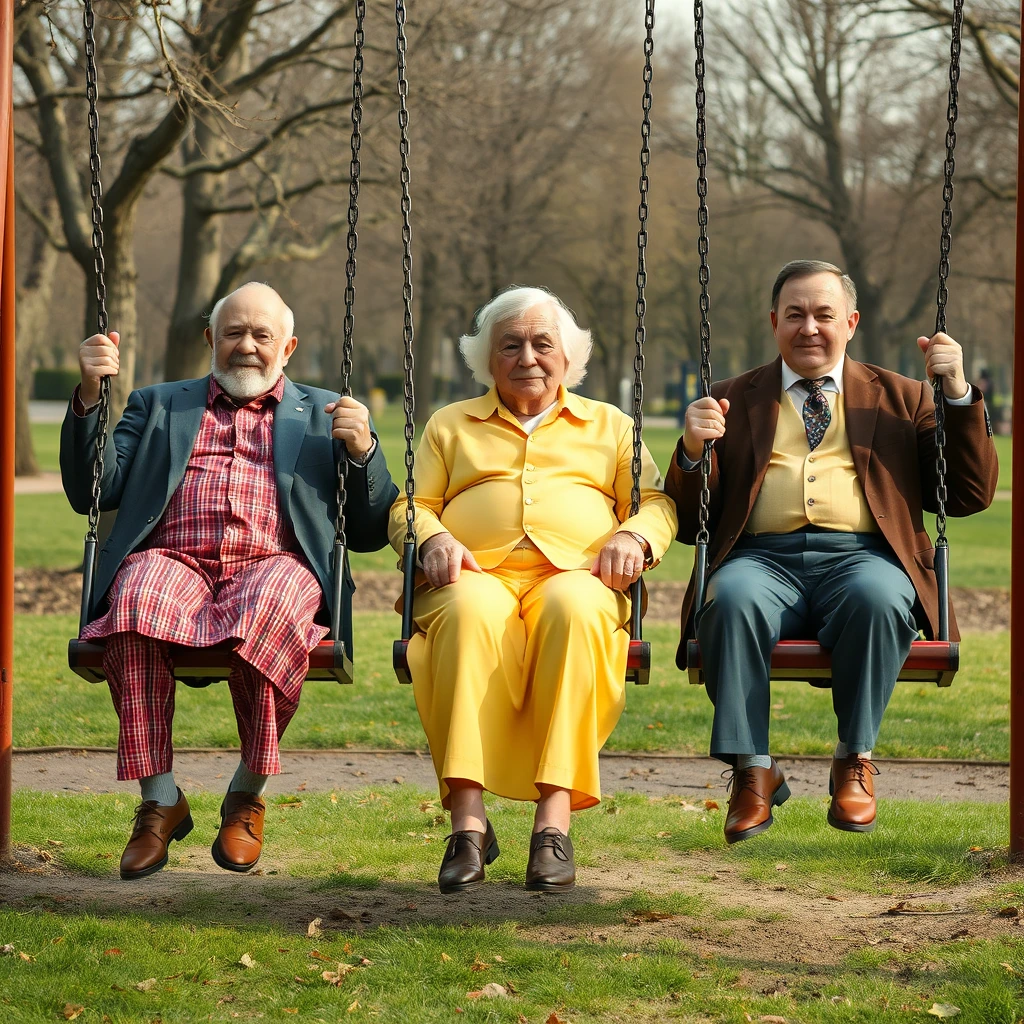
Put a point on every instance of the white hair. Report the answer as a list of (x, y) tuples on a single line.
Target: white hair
[(288, 321), (511, 304)]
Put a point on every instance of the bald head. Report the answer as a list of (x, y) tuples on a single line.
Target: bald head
[(260, 295), (250, 334)]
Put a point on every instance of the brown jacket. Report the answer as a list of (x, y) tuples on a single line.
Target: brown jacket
[(890, 421)]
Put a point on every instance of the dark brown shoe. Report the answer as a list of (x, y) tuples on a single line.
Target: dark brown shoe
[(551, 866), (462, 867), (240, 840), (852, 787), (155, 826), (755, 791)]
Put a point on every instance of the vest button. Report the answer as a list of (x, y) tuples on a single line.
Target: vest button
[(810, 501), (811, 479)]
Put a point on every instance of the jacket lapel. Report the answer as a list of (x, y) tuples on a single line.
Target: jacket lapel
[(186, 416), (861, 394), (291, 420), (762, 398)]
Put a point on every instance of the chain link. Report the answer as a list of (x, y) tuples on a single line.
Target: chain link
[(99, 268), (408, 332), (641, 264), (704, 273), (945, 245), (352, 242)]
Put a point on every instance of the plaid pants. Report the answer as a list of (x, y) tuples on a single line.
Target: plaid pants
[(140, 674)]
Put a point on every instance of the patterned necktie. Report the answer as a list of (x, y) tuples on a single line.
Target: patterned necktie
[(816, 413)]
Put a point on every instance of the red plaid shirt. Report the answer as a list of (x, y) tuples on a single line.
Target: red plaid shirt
[(222, 558)]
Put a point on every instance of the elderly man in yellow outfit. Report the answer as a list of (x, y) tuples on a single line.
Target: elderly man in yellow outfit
[(527, 548)]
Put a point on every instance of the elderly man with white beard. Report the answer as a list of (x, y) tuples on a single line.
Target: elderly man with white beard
[(226, 490)]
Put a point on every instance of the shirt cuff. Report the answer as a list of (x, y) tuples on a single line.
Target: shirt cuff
[(645, 545), (77, 407), (363, 460), (967, 399)]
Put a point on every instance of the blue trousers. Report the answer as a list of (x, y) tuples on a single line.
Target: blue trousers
[(847, 589)]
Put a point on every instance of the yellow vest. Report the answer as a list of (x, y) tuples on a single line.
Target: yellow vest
[(802, 487)]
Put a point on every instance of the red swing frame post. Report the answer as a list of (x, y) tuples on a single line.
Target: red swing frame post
[(1017, 521), (7, 368)]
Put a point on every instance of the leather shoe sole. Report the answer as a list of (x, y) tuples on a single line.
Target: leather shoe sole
[(541, 886), (849, 826), (179, 833), (779, 797), (490, 856)]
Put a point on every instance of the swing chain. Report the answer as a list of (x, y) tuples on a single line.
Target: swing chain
[(407, 325), (945, 245), (704, 273), (351, 241), (641, 266), (99, 267)]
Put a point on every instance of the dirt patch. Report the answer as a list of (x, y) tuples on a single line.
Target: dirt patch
[(58, 592), (771, 929), (651, 775)]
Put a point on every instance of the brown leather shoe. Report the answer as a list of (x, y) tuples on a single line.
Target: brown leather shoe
[(551, 866), (852, 787), (155, 826), (462, 867), (240, 840), (755, 791)]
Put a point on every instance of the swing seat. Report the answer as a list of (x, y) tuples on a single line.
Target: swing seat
[(929, 661), (638, 662), (201, 666)]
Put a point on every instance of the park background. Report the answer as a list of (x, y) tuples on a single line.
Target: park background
[(826, 137)]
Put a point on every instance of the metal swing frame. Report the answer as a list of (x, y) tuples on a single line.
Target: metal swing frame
[(200, 666), (929, 661), (638, 658)]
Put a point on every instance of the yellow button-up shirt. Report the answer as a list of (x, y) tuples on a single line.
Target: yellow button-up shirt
[(566, 486)]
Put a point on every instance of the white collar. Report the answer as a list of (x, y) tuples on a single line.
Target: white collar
[(791, 377)]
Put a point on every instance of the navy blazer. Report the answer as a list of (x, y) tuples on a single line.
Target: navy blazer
[(149, 449)]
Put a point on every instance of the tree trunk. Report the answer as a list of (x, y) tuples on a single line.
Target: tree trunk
[(34, 298), (199, 262), (427, 332)]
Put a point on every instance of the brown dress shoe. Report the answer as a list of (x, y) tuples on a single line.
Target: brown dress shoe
[(853, 794), (240, 839), (155, 826), (462, 867), (551, 866), (755, 791)]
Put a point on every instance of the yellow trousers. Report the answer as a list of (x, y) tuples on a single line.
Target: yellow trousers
[(518, 676)]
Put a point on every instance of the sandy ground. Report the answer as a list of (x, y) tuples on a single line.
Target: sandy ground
[(653, 775)]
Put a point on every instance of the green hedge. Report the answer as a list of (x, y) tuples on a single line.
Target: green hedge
[(50, 385)]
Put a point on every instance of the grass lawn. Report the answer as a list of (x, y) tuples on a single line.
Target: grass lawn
[(968, 720), (666, 924)]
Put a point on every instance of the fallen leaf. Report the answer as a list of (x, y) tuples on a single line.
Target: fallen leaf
[(302, 981), (836, 899), (7, 949), (337, 977), (72, 1010), (1009, 912), (225, 999), (943, 1010), (291, 803), (398, 780), (478, 965), (363, 962), (781, 867), (1009, 967), (498, 959), (353, 1006), (26, 956), (490, 991), (314, 931), (664, 835), (554, 1019), (427, 805), (317, 955), (334, 798), (773, 1018), (247, 961), (145, 986), (54, 842), (299, 789), (111, 952), (290, 1009), (444, 957), (630, 956), (711, 805)]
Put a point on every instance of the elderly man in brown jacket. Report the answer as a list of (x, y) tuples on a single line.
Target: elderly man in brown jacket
[(821, 470)]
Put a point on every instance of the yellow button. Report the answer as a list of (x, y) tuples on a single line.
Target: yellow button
[(529, 480), (529, 501), (528, 528), (811, 479), (810, 501), (529, 467), (810, 458)]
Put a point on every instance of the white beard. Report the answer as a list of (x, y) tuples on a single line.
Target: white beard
[(245, 382)]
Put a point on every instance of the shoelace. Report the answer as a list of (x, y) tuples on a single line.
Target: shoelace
[(242, 816), (739, 779), (859, 769), (465, 836), (550, 841), (147, 819)]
